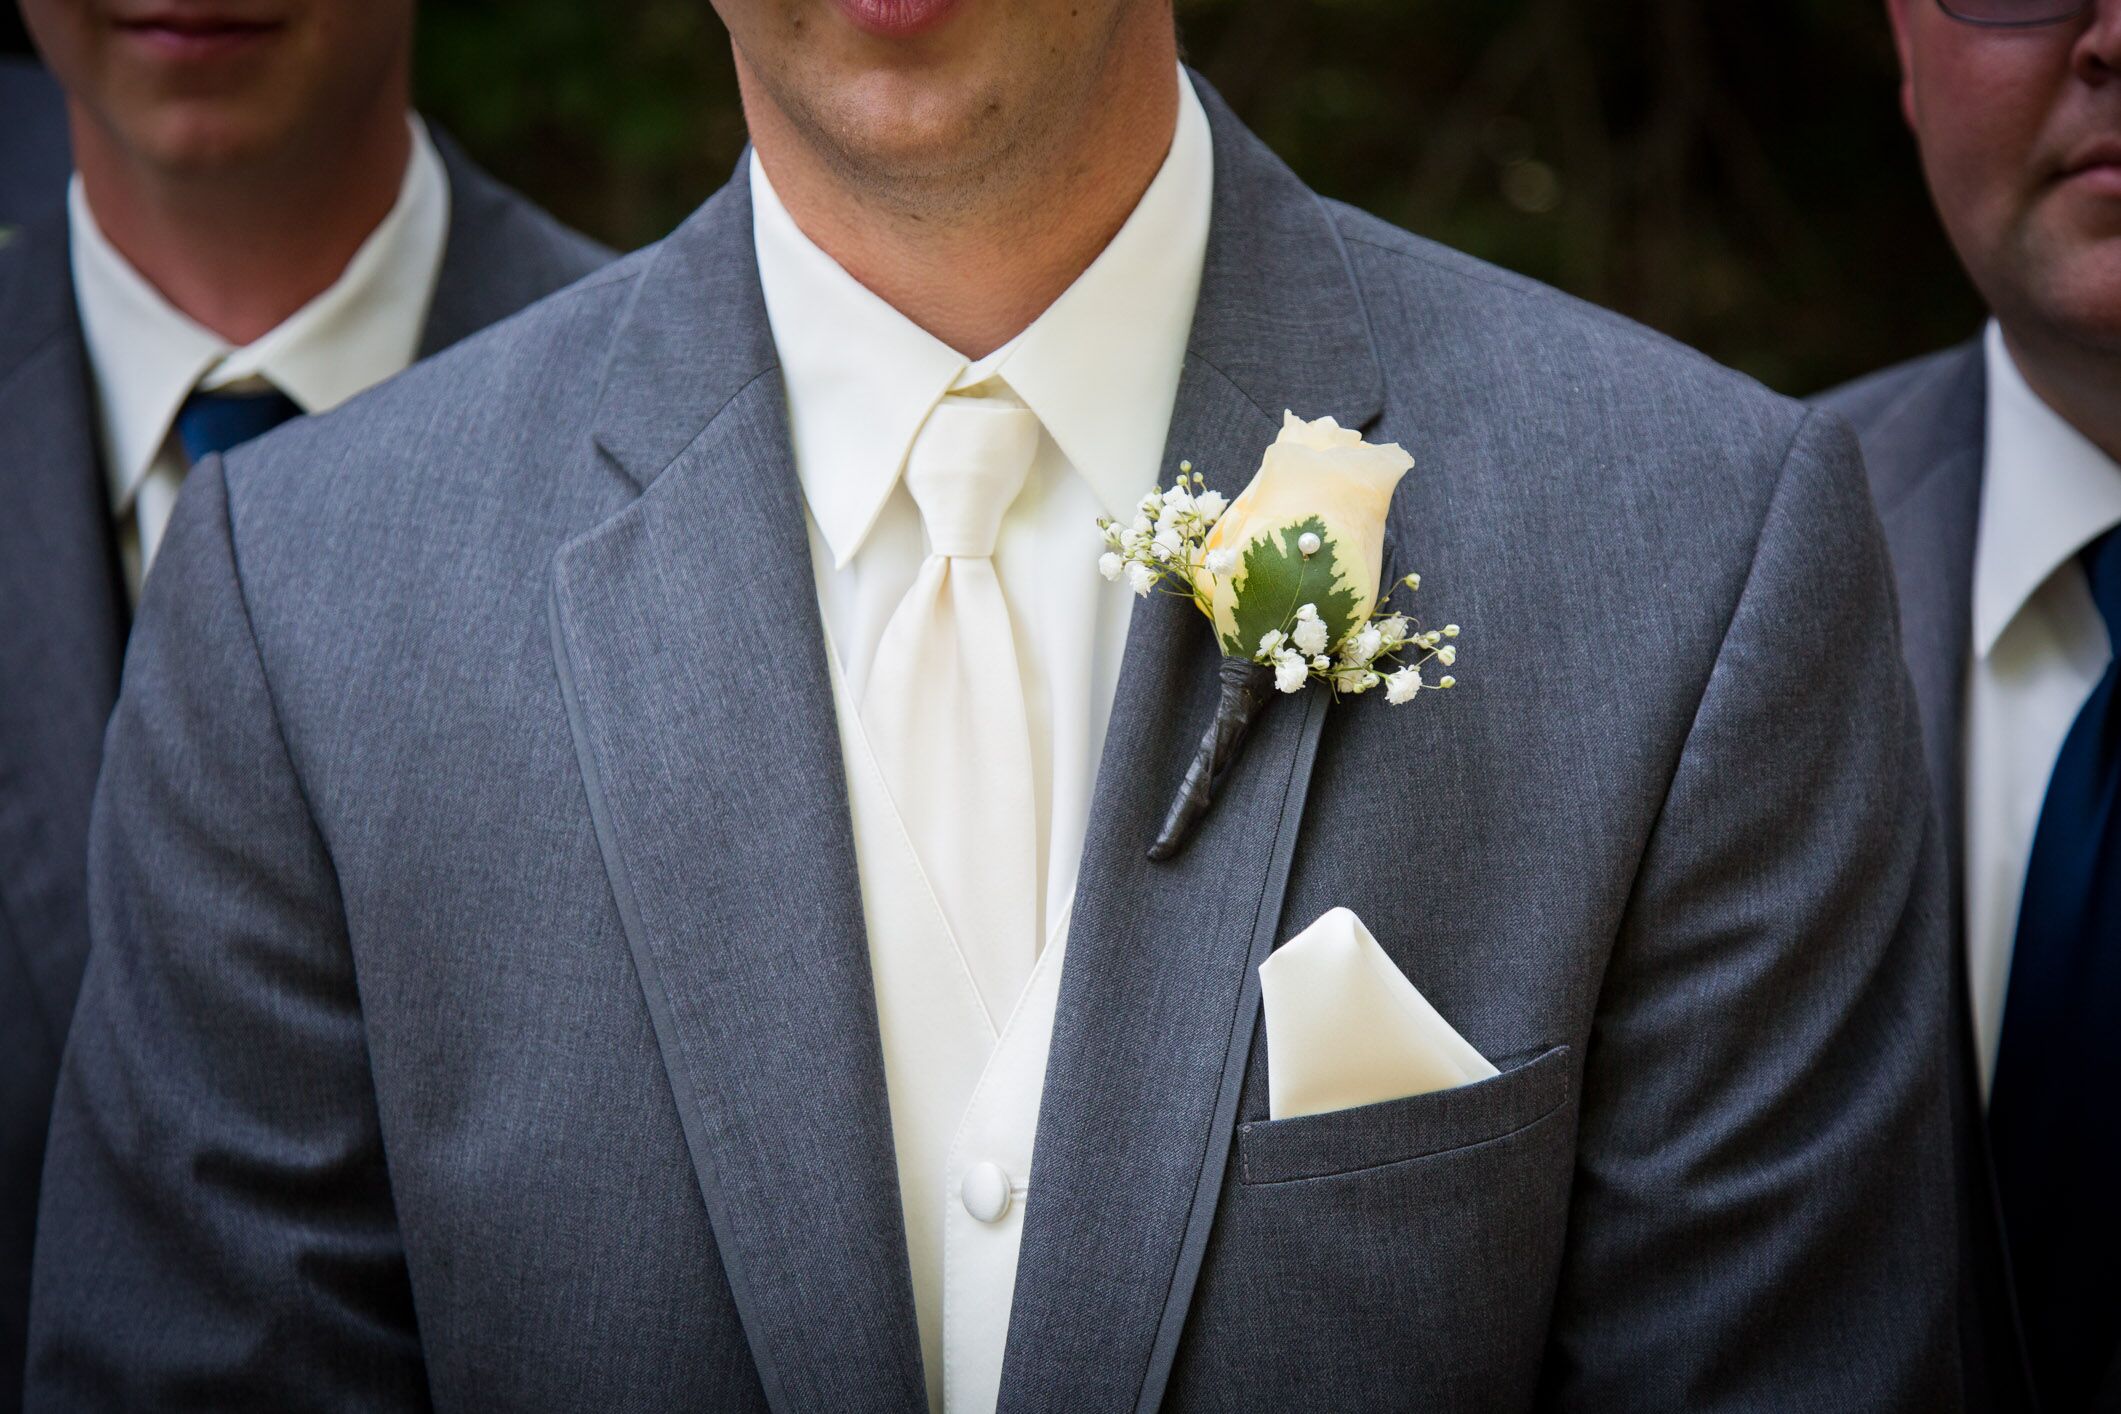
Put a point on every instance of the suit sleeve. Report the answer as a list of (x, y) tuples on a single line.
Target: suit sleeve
[(1763, 1214), (216, 1229)]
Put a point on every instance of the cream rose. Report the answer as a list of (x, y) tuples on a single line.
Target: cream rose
[(1318, 479)]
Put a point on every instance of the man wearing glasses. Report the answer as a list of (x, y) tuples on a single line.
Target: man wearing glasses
[(1995, 471)]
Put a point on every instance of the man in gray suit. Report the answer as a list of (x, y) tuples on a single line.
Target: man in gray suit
[(1995, 471), (244, 238), (488, 1003)]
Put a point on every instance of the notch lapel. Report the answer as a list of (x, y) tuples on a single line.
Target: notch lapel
[(691, 658), (66, 617), (1160, 993)]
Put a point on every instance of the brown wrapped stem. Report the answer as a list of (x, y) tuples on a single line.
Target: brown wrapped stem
[(1246, 688)]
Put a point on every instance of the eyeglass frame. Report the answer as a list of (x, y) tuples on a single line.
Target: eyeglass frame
[(2072, 13)]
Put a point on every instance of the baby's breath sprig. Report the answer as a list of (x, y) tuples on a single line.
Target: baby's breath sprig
[(1163, 550), (1163, 542), (1388, 650)]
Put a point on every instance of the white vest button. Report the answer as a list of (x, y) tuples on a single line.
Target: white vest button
[(986, 1192)]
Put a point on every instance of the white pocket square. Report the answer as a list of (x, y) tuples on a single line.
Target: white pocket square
[(1345, 1027)]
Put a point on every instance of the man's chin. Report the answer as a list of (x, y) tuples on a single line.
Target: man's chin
[(202, 139), (2077, 287), (2059, 319), (2096, 326), (902, 128)]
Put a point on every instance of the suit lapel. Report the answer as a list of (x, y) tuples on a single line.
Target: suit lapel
[(1159, 996), (691, 656), (60, 649)]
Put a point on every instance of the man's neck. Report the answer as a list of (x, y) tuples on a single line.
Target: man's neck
[(2082, 384), (978, 277), (240, 251)]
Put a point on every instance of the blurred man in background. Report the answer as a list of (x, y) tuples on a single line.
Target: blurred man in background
[(1995, 470), (256, 228)]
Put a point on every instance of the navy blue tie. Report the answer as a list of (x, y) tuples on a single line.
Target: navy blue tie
[(2055, 1108), (215, 422)]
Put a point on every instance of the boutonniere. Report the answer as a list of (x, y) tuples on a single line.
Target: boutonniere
[(1289, 575)]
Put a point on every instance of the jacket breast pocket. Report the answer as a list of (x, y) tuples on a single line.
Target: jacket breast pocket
[(1405, 1131)]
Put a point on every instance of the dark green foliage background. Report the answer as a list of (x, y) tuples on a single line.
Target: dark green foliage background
[(1735, 174)]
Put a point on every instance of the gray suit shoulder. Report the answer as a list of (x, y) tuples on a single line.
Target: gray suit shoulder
[(1876, 400), (506, 403), (433, 501), (525, 230), (36, 289), (1547, 345), (1916, 417), (1520, 400)]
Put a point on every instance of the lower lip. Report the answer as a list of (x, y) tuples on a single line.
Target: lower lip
[(191, 44), (2103, 179), (896, 19)]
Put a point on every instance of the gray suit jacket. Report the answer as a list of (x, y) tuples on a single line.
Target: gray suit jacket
[(481, 1011), (1924, 431), (63, 618), (34, 160)]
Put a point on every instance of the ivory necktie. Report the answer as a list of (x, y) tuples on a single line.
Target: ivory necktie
[(944, 706)]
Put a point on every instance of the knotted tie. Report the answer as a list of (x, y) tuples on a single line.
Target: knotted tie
[(206, 423), (944, 706), (216, 422), (2052, 1111)]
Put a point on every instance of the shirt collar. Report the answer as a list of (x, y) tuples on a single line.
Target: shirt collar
[(147, 356), (2048, 492), (1100, 367)]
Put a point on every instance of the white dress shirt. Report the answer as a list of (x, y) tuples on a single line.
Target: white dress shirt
[(147, 356), (2039, 649), (1100, 368)]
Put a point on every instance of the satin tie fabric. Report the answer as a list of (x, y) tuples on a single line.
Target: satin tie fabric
[(2058, 1067), (944, 705), (217, 422)]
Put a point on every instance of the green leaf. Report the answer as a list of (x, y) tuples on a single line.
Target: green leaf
[(1276, 578)]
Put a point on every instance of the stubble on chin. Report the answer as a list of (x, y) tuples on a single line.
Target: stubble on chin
[(980, 147), (970, 159)]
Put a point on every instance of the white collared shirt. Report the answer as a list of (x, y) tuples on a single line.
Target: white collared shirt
[(147, 356), (2039, 649), (1100, 368)]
